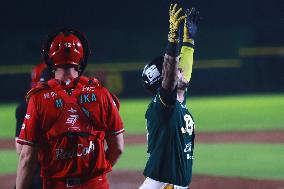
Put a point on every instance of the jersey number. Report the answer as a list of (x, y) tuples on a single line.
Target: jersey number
[(68, 45), (189, 125)]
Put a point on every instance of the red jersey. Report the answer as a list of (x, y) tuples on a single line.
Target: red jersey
[(70, 129)]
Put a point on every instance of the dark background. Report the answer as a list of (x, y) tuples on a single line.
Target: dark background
[(136, 31)]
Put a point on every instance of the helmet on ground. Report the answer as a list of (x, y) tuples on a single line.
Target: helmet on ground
[(152, 74), (66, 47), (36, 73)]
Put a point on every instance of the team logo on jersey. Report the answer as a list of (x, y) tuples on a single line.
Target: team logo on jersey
[(23, 126), (188, 147), (72, 110), (49, 95), (152, 73), (187, 150), (72, 119), (81, 150), (27, 116), (88, 89)]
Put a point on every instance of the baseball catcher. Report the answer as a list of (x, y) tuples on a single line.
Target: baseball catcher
[(68, 120)]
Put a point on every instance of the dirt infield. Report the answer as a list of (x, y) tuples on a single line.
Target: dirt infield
[(212, 137), (132, 179), (224, 137)]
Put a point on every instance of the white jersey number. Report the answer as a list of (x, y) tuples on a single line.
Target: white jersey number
[(189, 125)]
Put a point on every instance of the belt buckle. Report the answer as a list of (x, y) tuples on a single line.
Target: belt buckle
[(73, 182), (169, 186)]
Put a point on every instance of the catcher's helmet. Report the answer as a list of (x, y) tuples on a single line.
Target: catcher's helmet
[(36, 73), (66, 47), (152, 74)]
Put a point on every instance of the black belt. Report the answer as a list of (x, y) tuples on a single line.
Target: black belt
[(69, 182), (73, 182)]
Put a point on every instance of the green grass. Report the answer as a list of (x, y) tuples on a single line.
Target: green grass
[(133, 158), (224, 113), (238, 113), (8, 161), (133, 115), (7, 120), (263, 161)]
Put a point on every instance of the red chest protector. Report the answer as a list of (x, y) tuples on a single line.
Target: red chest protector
[(76, 148)]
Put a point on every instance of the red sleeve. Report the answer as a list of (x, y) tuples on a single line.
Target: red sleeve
[(113, 120), (31, 130), (116, 101)]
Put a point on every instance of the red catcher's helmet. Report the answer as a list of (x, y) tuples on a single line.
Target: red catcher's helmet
[(66, 47), (36, 73)]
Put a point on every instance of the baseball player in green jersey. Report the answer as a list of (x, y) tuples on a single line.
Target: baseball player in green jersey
[(170, 125)]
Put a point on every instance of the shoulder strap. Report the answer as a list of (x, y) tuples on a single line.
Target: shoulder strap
[(85, 82), (36, 89), (82, 82), (56, 87), (88, 81)]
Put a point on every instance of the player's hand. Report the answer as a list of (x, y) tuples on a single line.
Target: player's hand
[(190, 25), (175, 20)]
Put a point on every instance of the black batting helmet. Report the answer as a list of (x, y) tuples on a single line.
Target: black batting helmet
[(66, 46), (152, 74)]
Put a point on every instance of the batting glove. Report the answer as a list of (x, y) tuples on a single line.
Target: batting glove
[(175, 20), (190, 25)]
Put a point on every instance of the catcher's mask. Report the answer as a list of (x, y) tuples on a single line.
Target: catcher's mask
[(152, 74), (65, 48)]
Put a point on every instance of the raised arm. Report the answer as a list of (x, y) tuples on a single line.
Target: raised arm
[(187, 49), (170, 65)]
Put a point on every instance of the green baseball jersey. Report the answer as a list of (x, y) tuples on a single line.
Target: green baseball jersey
[(170, 142)]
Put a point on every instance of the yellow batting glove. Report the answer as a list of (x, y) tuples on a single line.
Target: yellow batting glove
[(175, 20)]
